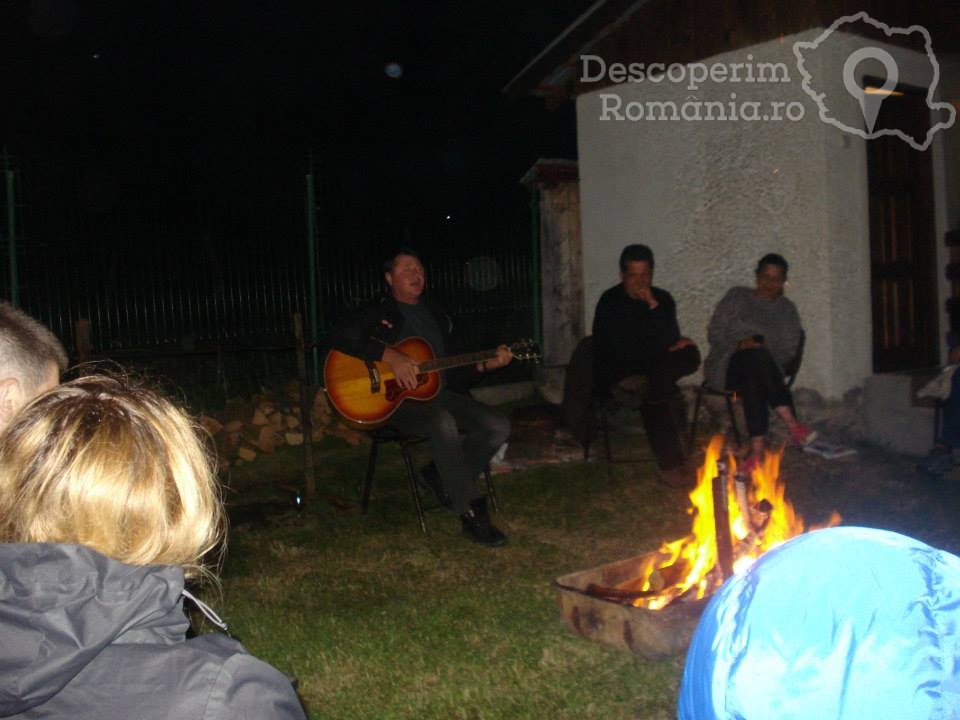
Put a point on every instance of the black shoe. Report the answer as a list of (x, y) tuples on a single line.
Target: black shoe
[(429, 477), (477, 525)]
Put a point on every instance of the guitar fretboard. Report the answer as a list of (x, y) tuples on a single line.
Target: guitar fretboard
[(445, 363)]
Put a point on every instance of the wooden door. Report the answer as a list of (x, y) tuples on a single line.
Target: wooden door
[(902, 243)]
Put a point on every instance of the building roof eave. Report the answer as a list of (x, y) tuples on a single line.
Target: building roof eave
[(550, 71)]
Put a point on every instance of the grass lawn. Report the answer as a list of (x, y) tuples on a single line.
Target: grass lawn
[(376, 620)]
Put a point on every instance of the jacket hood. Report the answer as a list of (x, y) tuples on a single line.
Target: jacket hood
[(61, 605)]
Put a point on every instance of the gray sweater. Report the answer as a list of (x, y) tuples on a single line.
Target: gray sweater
[(742, 314)]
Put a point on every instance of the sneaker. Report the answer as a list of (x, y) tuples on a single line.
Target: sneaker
[(801, 434)]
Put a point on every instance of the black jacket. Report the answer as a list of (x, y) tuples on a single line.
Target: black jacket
[(366, 332), (86, 637), (627, 334)]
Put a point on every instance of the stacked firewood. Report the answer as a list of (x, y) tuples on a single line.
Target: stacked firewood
[(246, 429)]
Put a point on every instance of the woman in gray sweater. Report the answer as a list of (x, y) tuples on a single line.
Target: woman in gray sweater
[(754, 333)]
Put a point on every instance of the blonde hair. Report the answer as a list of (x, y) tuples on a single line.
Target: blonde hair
[(117, 468)]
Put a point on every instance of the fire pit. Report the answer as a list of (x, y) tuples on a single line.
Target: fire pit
[(649, 604), (654, 634)]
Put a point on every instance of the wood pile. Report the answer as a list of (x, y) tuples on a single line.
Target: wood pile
[(246, 429)]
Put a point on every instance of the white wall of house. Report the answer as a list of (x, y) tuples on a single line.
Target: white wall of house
[(712, 197)]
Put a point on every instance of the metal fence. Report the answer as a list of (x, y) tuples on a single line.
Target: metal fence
[(183, 301), (138, 301), (488, 294), (146, 286)]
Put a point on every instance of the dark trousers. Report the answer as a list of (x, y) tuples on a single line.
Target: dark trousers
[(668, 367), (661, 407), (758, 380), (464, 434), (950, 432)]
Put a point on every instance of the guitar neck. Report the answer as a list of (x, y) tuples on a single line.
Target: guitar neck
[(445, 363)]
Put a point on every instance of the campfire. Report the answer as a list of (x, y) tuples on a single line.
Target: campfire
[(650, 604), (758, 517)]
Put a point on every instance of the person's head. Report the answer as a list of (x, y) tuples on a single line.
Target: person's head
[(119, 469), (636, 270), (848, 622), (31, 360), (403, 271), (771, 275)]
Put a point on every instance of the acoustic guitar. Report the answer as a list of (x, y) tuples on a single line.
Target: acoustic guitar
[(366, 392)]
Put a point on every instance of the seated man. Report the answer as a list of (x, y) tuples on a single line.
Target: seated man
[(404, 313), (31, 360), (640, 354)]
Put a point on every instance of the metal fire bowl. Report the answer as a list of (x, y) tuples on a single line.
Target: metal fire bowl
[(653, 634)]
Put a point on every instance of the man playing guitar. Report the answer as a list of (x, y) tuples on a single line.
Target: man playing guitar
[(463, 433)]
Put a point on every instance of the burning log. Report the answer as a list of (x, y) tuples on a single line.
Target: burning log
[(658, 580), (741, 483), (735, 520), (761, 515), (666, 576), (721, 521)]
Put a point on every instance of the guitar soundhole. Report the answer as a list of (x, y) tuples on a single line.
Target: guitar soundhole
[(393, 391)]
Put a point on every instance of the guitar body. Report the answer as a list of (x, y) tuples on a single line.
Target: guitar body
[(366, 393)]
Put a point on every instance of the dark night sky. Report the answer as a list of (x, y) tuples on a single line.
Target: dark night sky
[(203, 113)]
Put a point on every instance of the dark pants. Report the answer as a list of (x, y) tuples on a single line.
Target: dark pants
[(661, 407), (950, 432), (460, 458), (758, 380)]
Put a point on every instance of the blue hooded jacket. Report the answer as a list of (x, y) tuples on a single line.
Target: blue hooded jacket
[(841, 624)]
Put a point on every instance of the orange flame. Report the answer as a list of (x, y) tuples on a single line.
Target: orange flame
[(685, 565)]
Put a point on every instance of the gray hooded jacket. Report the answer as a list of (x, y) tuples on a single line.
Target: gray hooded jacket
[(83, 636)]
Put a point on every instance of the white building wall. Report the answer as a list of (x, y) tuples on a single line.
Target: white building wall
[(712, 197)]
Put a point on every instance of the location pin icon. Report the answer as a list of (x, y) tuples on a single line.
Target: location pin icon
[(870, 102)]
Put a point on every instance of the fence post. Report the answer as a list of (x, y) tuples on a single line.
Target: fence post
[(535, 280), (306, 410), (312, 277), (81, 338)]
